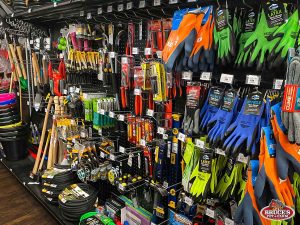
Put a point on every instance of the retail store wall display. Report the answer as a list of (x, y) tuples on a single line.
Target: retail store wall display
[(155, 112)]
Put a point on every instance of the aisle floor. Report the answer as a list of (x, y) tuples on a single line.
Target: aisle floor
[(17, 206)]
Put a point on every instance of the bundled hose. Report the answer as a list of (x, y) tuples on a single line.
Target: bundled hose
[(55, 180), (75, 200)]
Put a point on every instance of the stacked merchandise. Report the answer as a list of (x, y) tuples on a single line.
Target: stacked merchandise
[(55, 180), (13, 133)]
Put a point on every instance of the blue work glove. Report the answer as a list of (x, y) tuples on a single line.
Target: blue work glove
[(242, 133), (220, 122), (210, 107)]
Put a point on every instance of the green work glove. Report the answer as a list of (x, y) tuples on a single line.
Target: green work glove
[(296, 186), (259, 43), (191, 158), (228, 182), (224, 38), (288, 33), (202, 174), (248, 29)]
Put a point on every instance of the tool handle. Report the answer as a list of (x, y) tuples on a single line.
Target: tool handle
[(36, 164), (19, 51), (36, 67), (16, 63), (45, 72), (45, 150)]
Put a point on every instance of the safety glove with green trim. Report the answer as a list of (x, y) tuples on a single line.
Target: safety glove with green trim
[(248, 29), (296, 186), (201, 176), (191, 158), (287, 33), (224, 38), (258, 41), (228, 183)]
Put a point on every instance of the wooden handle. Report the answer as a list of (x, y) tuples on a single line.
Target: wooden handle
[(13, 72), (36, 67), (45, 150), (13, 53), (19, 51), (50, 153), (56, 106), (37, 161), (45, 72)]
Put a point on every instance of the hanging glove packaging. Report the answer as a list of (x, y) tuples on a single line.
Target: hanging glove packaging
[(224, 37)]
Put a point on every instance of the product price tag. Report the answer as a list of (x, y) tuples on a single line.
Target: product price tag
[(129, 5), (165, 184), (219, 151), (109, 8), (121, 149), (112, 55), (150, 112), (277, 84), (206, 76), (165, 136), (156, 2), (173, 2), (228, 221), (142, 4), (210, 213), (200, 143), (253, 80), (99, 11), (29, 10), (187, 75), (100, 131), (54, 4), (89, 16), (77, 90), (181, 137), (242, 158), (143, 142), (120, 7), (148, 51), (159, 54), (188, 200), (121, 117), (137, 91), (111, 114), (226, 78), (65, 91), (81, 13), (102, 155), (191, 1), (112, 157), (102, 111), (121, 187), (160, 130), (135, 51), (124, 60)]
